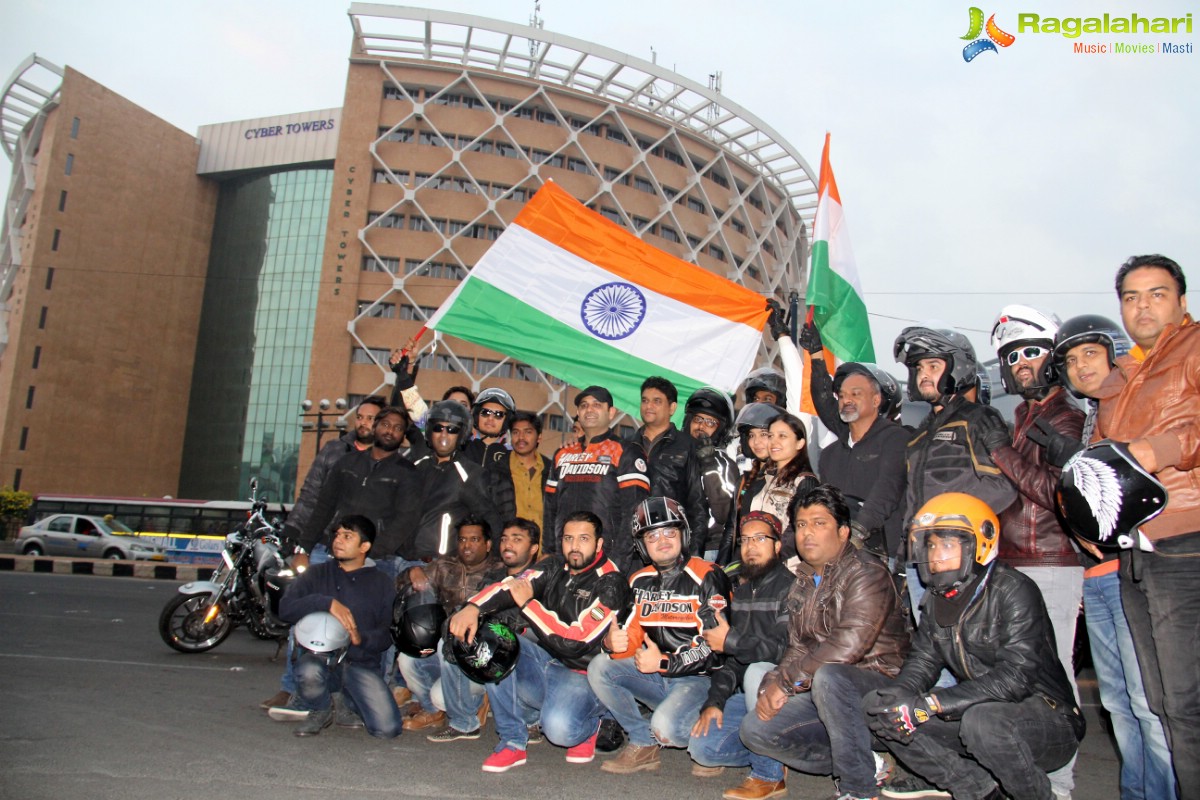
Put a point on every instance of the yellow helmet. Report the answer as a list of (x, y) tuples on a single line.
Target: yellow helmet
[(958, 517)]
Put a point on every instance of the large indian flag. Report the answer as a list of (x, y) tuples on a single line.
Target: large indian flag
[(581, 298), (834, 292)]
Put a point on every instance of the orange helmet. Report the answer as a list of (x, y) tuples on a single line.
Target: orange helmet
[(948, 518)]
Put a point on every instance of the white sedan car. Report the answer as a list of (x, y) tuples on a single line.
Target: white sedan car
[(85, 537)]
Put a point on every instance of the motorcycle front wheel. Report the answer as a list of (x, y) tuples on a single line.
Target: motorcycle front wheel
[(181, 624)]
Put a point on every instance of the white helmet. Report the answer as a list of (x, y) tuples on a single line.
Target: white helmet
[(322, 634), (1019, 326)]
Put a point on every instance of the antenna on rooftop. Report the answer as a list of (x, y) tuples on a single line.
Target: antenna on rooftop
[(535, 21), (714, 83)]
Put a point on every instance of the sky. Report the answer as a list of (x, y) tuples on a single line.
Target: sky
[(1024, 176)]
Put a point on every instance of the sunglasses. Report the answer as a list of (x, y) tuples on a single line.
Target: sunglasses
[(661, 533), (450, 429), (1029, 353), (491, 412)]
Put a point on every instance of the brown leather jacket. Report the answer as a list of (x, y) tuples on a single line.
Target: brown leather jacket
[(1159, 400), (1030, 535), (853, 616)]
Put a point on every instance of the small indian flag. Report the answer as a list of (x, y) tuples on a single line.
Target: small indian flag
[(583, 299), (834, 292)]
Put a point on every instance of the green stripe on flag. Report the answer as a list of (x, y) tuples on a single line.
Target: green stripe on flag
[(495, 319), (838, 310)]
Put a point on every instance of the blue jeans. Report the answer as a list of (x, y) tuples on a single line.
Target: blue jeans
[(676, 701), (1145, 759), (823, 731), (1062, 591), (457, 695), (363, 691), (1160, 593), (517, 700), (319, 554), (420, 674), (571, 711), (1018, 743), (722, 747)]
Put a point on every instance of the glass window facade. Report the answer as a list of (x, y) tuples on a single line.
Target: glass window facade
[(256, 330)]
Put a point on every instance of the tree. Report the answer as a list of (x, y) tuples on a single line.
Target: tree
[(14, 509)]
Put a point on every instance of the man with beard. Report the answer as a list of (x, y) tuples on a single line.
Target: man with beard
[(520, 543), (867, 460), (659, 657), (360, 597), (360, 439), (568, 600), (1031, 538), (453, 578), (377, 484), (600, 473), (450, 487), (949, 449), (517, 482), (847, 635), (753, 642), (708, 417)]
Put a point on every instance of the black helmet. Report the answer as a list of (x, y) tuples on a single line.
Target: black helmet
[(1105, 495), (889, 389), (417, 620), (500, 397), (276, 580), (714, 403), (765, 379), (1019, 325), (491, 656), (659, 512), (320, 633), (451, 413), (754, 416), (918, 342), (1084, 329)]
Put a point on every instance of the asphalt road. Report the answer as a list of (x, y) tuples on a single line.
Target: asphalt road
[(94, 705)]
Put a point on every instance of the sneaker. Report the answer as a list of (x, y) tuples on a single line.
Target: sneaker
[(848, 796), (883, 767), (288, 713), (280, 698), (425, 719), (634, 758), (904, 785), (610, 738), (317, 721), (756, 789), (534, 734), (452, 735), (701, 771), (583, 752), (504, 759)]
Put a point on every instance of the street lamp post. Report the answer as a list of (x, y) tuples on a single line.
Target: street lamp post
[(320, 425)]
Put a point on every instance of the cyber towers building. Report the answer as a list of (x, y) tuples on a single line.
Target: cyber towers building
[(318, 242)]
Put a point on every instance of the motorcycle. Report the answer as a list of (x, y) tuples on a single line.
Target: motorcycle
[(244, 590)]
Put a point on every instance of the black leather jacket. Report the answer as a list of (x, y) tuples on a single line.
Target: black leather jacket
[(1001, 649), (449, 491), (758, 631), (674, 472), (569, 613)]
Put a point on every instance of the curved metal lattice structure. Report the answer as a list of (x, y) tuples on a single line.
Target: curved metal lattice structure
[(649, 149), (28, 96)]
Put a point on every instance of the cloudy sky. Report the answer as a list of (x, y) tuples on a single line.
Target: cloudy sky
[(1027, 175)]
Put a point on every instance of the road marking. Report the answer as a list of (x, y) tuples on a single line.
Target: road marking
[(121, 663)]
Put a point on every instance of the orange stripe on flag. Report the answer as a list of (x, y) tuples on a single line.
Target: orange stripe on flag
[(806, 401), (559, 218)]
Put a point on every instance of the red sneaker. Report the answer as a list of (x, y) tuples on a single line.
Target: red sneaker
[(584, 752), (504, 760)]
